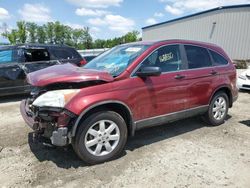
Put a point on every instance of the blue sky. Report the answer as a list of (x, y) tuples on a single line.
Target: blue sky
[(105, 18)]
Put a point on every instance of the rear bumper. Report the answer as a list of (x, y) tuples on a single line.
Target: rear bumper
[(26, 114)]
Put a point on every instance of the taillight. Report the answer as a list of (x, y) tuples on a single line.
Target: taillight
[(83, 62)]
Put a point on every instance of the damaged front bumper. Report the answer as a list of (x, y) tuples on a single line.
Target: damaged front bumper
[(54, 124), (27, 115)]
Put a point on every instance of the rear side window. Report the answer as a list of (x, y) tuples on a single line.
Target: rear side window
[(36, 55), (6, 56), (197, 57), (65, 53), (168, 58), (218, 59)]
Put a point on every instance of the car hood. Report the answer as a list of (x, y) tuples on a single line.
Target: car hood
[(66, 73)]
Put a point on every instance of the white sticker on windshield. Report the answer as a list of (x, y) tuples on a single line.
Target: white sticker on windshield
[(133, 49)]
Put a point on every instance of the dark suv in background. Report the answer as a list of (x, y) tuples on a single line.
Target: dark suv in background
[(17, 61)]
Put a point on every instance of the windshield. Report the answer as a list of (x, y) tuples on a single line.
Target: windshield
[(117, 59)]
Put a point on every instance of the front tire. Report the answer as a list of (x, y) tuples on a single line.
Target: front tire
[(101, 137), (218, 109)]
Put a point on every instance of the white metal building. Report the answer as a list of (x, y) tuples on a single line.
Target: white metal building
[(228, 27)]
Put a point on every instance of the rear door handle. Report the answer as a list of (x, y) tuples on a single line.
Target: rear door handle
[(178, 76), (213, 72)]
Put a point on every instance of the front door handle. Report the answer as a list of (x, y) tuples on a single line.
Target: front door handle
[(178, 76), (213, 72)]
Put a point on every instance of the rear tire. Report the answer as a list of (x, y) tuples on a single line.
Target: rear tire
[(218, 109), (101, 137)]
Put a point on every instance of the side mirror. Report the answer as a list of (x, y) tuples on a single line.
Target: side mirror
[(149, 71)]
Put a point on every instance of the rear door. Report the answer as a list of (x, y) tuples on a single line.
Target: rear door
[(201, 76), (37, 58), (11, 73)]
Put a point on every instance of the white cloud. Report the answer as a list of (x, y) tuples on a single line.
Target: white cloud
[(97, 21), (178, 7), (35, 13), (95, 29), (158, 14), (151, 21), (4, 14), (114, 23), (74, 25), (90, 12), (173, 10), (95, 3)]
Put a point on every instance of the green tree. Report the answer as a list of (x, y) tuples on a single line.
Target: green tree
[(98, 43), (11, 36), (57, 33), (49, 29), (32, 30), (21, 32), (131, 36), (77, 37), (87, 38), (41, 35)]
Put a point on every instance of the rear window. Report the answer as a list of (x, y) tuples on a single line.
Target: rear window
[(36, 55), (218, 59), (65, 53), (6, 56), (197, 57)]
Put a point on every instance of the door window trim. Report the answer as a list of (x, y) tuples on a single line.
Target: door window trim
[(184, 58), (213, 62), (210, 55), (183, 65)]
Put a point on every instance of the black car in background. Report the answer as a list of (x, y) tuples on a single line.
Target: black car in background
[(17, 61)]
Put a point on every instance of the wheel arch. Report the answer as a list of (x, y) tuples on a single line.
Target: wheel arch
[(113, 105), (226, 90)]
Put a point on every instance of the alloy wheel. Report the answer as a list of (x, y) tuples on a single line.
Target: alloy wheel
[(219, 108), (102, 138)]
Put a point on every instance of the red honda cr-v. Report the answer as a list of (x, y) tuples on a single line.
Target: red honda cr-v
[(127, 88)]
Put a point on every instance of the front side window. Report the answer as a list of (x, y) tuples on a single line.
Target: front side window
[(218, 59), (197, 57), (117, 59), (6, 56), (168, 58)]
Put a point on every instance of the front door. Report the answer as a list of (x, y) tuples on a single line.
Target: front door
[(11, 73), (164, 94)]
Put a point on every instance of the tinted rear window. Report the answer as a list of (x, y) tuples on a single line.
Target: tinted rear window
[(65, 53), (36, 55), (218, 59), (197, 57)]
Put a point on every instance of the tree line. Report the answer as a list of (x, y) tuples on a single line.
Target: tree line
[(57, 33)]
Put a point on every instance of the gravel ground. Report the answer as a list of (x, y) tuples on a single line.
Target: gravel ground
[(186, 153)]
